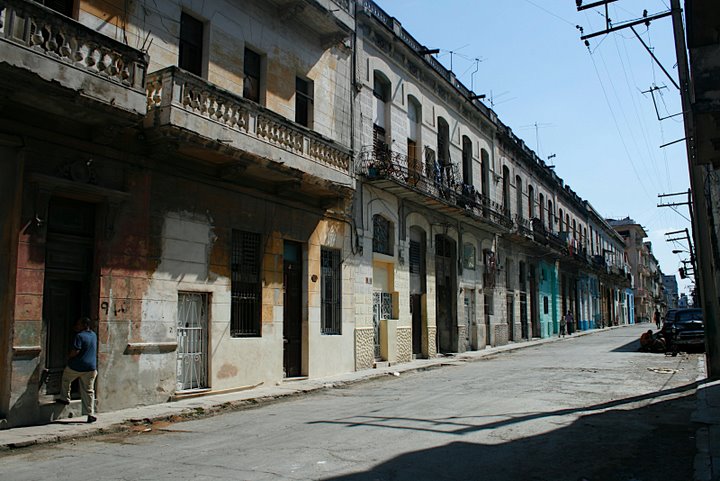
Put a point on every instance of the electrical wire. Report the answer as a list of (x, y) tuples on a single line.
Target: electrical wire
[(617, 127)]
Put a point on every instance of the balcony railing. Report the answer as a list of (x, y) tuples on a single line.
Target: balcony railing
[(48, 33), (432, 179), (172, 87)]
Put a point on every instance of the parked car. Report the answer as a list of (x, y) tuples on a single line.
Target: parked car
[(684, 327)]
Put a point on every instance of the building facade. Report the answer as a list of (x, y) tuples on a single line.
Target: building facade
[(278, 193)]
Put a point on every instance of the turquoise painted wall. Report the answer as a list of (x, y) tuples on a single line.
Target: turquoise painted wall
[(548, 291)]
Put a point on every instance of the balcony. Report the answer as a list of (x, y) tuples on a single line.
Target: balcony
[(434, 186), (248, 142), (50, 61)]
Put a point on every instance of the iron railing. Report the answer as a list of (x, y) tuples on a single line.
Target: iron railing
[(435, 179)]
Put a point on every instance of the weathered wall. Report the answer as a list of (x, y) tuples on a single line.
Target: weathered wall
[(11, 171)]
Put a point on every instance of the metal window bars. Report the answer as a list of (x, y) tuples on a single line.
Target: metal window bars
[(331, 319), (246, 289)]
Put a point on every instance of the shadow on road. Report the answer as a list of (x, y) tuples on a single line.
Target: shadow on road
[(613, 441)]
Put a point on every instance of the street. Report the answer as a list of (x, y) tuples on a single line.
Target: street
[(585, 408)]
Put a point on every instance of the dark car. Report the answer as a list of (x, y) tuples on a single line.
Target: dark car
[(684, 328)]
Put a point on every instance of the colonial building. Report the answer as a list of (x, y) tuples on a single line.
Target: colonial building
[(244, 193), (469, 239), (644, 267), (181, 173)]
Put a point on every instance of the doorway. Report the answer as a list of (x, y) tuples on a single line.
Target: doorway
[(292, 309), (69, 256), (192, 349), (445, 279), (417, 286)]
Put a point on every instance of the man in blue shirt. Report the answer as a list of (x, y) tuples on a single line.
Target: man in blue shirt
[(82, 365)]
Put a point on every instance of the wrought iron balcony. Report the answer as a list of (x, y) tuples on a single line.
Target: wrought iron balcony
[(430, 181), (204, 114), (59, 51)]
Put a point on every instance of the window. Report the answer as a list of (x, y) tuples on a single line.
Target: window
[(443, 142), (542, 209), (381, 92), (253, 75), (382, 235), (519, 196), (191, 44), (245, 284), (560, 219), (506, 188), (550, 215), (485, 172), (468, 256), (303, 102), (331, 321), (413, 136), (531, 202), (467, 160), (546, 305)]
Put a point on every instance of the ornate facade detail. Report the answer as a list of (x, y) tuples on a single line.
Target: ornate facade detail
[(404, 344), (431, 338), (364, 348), (501, 334)]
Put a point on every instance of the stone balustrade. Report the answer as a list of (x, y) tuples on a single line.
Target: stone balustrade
[(44, 31), (172, 87)]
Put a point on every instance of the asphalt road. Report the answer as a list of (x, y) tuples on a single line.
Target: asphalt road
[(586, 408)]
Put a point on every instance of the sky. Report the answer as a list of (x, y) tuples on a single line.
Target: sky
[(584, 106)]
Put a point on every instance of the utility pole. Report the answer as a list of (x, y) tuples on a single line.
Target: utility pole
[(703, 222), (708, 250)]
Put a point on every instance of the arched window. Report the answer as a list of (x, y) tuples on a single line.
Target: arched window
[(469, 257), (382, 235), (541, 203), (413, 129), (443, 142), (531, 201), (519, 194), (381, 93), (467, 160), (560, 219), (485, 172), (551, 218), (506, 188), (574, 229)]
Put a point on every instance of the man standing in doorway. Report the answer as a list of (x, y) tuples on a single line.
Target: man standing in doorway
[(82, 365)]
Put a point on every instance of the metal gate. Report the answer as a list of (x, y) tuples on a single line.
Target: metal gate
[(382, 309), (192, 332)]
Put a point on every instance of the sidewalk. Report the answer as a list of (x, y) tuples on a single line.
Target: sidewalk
[(195, 407), (707, 438)]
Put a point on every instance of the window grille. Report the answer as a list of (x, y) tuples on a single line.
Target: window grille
[(382, 235), (246, 287), (331, 322)]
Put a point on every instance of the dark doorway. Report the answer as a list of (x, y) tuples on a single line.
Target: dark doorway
[(534, 312), (418, 286), (292, 309), (445, 278), (69, 256)]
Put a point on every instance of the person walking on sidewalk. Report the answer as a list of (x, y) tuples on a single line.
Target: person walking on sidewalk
[(82, 365), (563, 326), (656, 317)]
